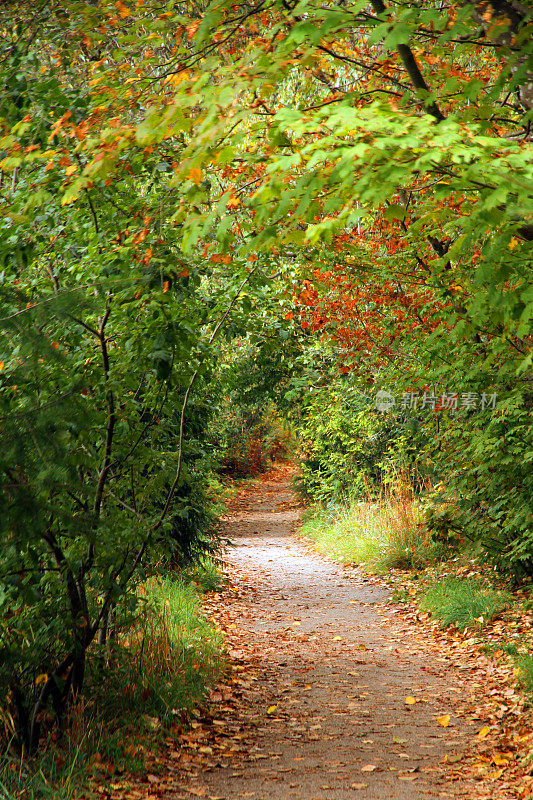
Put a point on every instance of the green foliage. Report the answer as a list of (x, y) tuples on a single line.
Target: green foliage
[(158, 668), (463, 602), (206, 573), (248, 427), (348, 449)]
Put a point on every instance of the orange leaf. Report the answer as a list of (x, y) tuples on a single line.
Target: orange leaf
[(166, 287), (233, 202), (123, 10), (196, 175)]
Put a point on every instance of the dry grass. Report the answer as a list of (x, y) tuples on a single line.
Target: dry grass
[(380, 534)]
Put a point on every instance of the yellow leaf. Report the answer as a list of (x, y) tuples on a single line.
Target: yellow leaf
[(337, 638), (177, 78), (500, 760), (271, 709), (195, 174), (123, 10), (513, 243), (483, 732), (71, 170), (368, 768), (2, 365), (410, 701), (41, 679), (233, 202), (444, 720)]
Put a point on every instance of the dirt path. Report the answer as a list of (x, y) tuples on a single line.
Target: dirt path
[(323, 670)]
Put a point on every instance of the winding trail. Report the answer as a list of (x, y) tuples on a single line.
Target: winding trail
[(323, 670)]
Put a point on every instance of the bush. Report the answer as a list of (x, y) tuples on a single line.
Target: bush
[(348, 449)]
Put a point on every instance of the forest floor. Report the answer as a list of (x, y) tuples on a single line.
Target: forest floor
[(332, 691)]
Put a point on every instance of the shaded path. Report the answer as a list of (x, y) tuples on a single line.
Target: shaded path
[(325, 670)]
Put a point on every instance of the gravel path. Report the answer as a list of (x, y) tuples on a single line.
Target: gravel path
[(326, 671)]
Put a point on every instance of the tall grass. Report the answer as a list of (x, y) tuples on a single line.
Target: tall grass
[(379, 534)]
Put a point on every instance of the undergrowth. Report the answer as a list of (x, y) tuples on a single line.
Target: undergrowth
[(150, 676), (380, 535), (463, 602)]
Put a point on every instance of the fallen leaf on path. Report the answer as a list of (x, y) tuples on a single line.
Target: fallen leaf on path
[(368, 768), (444, 721), (271, 709), (500, 760), (410, 700), (358, 785), (483, 732)]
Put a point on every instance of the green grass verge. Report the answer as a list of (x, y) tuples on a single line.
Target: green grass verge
[(378, 536), (156, 671), (463, 602)]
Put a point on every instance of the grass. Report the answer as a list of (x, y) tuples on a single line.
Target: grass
[(206, 574), (463, 602), (379, 535), (157, 671)]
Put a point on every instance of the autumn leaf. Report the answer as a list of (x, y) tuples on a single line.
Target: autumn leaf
[(233, 202), (123, 10), (500, 760), (271, 709), (368, 768), (71, 170), (40, 679), (444, 721), (483, 732), (165, 287), (195, 174), (410, 700)]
